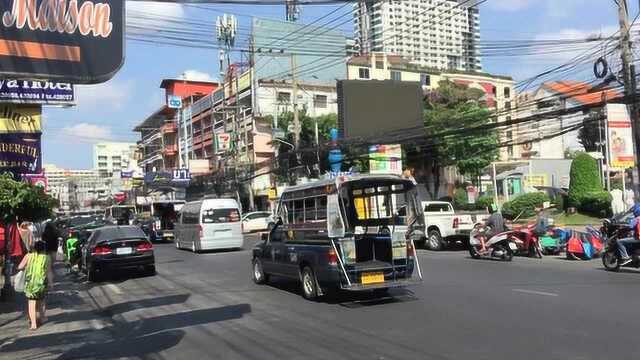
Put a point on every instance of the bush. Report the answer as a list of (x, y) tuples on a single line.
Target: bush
[(484, 202), (461, 199), (525, 203), (596, 203), (584, 179), (560, 202)]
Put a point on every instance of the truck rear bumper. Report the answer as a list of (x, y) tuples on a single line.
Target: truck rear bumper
[(384, 285)]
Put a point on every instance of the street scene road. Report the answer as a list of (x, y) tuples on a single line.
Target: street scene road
[(206, 306)]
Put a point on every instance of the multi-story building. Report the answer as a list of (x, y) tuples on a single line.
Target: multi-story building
[(159, 145), (76, 189), (549, 97), (110, 158), (441, 34)]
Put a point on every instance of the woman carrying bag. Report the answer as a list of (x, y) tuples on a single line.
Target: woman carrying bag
[(38, 279)]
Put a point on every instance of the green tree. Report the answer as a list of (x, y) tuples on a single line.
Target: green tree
[(584, 179), (309, 151), (22, 201), (456, 107)]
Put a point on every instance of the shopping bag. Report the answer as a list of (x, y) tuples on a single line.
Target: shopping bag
[(18, 281)]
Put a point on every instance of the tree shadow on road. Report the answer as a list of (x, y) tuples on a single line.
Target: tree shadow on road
[(128, 339)]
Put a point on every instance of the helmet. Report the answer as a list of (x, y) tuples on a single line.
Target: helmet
[(636, 210)]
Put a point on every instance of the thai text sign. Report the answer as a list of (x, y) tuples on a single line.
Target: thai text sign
[(223, 141), (75, 40), (385, 159), (620, 137), (20, 118), (20, 153), (35, 92)]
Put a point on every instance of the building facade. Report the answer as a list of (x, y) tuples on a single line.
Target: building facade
[(76, 189), (110, 158), (441, 34)]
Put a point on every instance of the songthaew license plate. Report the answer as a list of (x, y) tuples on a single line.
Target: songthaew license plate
[(124, 251), (371, 278)]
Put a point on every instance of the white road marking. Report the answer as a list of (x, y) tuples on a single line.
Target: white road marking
[(114, 288), (534, 292)]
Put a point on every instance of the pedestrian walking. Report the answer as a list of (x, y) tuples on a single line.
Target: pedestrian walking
[(51, 237), (38, 280), (26, 234)]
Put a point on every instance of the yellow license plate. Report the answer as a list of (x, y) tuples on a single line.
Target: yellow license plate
[(371, 278)]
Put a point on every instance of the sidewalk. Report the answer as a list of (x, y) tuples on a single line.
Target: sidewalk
[(72, 320)]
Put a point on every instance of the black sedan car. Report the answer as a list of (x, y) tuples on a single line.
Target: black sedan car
[(113, 248)]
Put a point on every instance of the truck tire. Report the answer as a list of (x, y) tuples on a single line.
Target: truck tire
[(259, 277), (309, 284), (434, 241)]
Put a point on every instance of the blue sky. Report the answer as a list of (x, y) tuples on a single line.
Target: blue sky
[(109, 111)]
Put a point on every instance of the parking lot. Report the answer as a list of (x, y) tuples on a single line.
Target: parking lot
[(206, 306)]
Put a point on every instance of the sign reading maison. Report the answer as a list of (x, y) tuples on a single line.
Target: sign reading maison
[(73, 40), (35, 92)]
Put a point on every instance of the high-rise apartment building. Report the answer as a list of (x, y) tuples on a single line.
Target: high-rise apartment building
[(440, 34), (110, 158)]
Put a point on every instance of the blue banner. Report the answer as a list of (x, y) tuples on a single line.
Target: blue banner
[(36, 92), (20, 153)]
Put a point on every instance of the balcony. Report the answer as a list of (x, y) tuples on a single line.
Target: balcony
[(169, 128), (170, 150)]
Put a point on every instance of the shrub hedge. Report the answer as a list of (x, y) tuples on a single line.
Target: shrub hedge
[(525, 203)]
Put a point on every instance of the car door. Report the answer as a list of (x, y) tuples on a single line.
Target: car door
[(273, 252)]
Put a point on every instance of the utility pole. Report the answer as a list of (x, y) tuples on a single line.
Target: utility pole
[(628, 70), (296, 120)]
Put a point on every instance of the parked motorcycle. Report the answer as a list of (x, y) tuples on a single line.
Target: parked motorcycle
[(501, 246)]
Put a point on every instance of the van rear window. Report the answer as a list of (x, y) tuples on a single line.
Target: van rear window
[(216, 216)]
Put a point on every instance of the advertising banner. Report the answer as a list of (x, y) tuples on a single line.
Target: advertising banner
[(79, 41), (198, 166), (163, 178), (620, 137), (126, 174), (20, 153), (36, 92), (223, 141), (174, 102), (20, 118), (39, 180), (385, 159)]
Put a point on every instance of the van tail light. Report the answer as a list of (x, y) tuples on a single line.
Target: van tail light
[(456, 222), (144, 247), (332, 257), (101, 250), (200, 231), (411, 252)]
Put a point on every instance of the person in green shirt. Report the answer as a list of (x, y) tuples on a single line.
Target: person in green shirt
[(38, 280)]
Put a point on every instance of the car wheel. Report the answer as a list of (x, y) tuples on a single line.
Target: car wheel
[(93, 275), (150, 270), (259, 277), (434, 241), (309, 284)]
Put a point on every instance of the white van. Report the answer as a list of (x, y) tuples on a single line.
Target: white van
[(209, 224)]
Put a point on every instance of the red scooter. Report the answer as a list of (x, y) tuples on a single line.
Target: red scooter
[(526, 240)]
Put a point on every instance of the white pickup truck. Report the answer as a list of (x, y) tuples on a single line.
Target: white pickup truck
[(443, 225)]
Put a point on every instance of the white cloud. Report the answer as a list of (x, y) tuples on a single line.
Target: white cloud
[(112, 94), (144, 16), (509, 5), (561, 57), (196, 75), (86, 132)]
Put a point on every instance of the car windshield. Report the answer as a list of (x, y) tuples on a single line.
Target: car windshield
[(82, 220)]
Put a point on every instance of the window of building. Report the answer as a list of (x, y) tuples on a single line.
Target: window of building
[(396, 76), (507, 105), (102, 158), (284, 97), (425, 80), (507, 92), (363, 73), (320, 101), (379, 64)]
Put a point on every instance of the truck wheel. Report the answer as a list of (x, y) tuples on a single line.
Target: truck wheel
[(259, 277), (434, 241), (309, 284)]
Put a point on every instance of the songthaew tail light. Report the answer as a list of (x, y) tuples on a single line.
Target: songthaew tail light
[(332, 257)]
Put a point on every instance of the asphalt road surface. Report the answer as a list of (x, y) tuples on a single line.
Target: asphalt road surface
[(205, 306)]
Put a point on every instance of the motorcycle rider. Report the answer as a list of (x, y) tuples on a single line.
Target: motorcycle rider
[(495, 223), (627, 243), (542, 222)]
